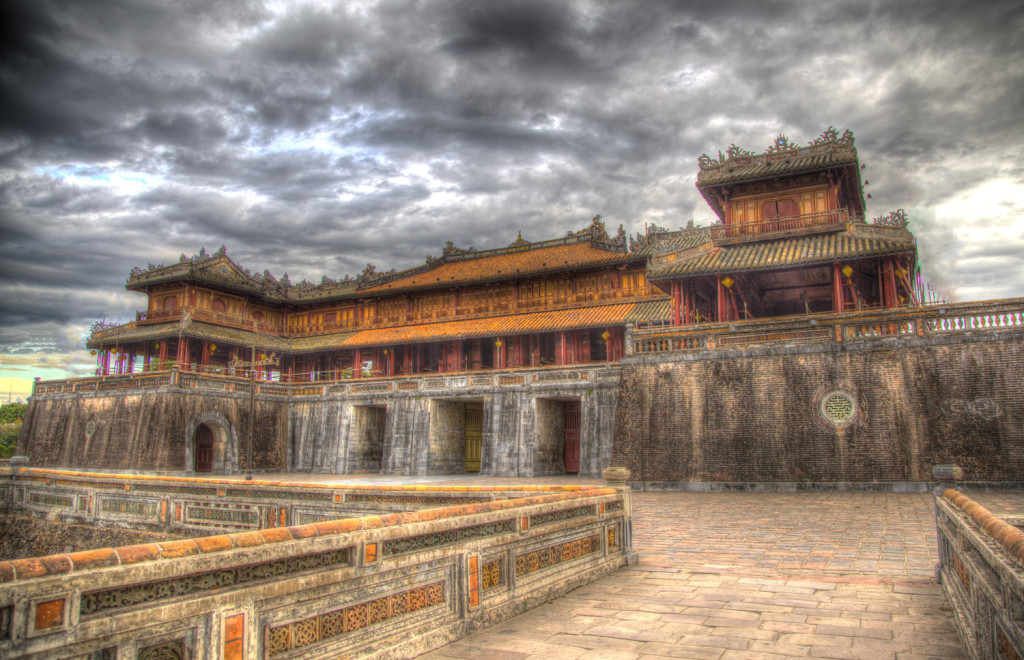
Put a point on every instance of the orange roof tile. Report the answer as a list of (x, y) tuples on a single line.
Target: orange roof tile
[(505, 266), (564, 319)]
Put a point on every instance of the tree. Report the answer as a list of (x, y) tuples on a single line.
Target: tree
[(12, 412)]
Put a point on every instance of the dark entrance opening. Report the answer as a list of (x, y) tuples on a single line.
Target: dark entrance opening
[(572, 437), (204, 449), (366, 453)]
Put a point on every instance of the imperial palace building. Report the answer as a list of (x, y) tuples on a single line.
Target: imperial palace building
[(558, 356)]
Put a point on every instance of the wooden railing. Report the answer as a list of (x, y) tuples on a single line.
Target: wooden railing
[(477, 310), (472, 310), (923, 321), (200, 314), (774, 227)]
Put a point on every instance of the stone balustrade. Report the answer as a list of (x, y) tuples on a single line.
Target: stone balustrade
[(393, 584), (982, 573), (869, 325), (524, 377)]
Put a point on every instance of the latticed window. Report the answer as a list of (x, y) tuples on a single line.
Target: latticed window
[(593, 284), (547, 289)]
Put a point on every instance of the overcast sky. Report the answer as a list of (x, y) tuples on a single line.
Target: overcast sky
[(312, 138)]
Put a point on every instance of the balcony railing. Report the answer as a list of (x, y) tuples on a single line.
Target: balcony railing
[(200, 314), (923, 321), (795, 225), (468, 311), (477, 310)]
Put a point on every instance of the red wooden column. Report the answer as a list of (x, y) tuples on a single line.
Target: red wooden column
[(720, 299), (561, 348), (162, 355), (837, 288), (357, 364), (889, 294), (677, 304)]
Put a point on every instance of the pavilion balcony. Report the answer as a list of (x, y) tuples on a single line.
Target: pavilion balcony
[(780, 227), (478, 310)]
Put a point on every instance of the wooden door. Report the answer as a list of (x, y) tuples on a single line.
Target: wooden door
[(474, 435), (572, 437), (204, 449)]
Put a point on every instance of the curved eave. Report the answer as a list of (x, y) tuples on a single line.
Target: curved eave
[(786, 253)]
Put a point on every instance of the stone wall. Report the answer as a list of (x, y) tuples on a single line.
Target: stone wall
[(151, 430), (447, 445), (852, 412), (27, 536), (410, 426)]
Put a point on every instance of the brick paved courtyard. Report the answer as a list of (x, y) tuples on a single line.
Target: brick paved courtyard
[(753, 575)]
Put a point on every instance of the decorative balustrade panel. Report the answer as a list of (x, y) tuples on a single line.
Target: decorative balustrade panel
[(982, 574), (345, 587), (772, 227)]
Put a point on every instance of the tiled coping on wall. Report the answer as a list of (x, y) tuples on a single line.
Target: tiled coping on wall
[(188, 506), (982, 573), (393, 585)]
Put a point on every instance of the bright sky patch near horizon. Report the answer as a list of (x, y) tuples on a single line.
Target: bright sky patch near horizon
[(314, 137)]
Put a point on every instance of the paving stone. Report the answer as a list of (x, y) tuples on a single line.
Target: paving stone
[(841, 575)]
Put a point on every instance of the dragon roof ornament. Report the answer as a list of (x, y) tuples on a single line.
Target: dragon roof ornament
[(897, 218), (829, 140)]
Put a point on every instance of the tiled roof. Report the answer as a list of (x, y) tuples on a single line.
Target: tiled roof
[(651, 310), (763, 167), (506, 266), (764, 255), (195, 330), (566, 319)]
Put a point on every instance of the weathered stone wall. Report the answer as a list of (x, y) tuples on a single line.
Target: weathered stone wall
[(151, 430), (447, 453), (826, 413), (26, 536), (330, 432)]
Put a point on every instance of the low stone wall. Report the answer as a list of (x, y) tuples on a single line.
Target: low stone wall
[(390, 585), (982, 573), (28, 536)]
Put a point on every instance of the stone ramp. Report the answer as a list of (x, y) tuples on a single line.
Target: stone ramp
[(754, 575)]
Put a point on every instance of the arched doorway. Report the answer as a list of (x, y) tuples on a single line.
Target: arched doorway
[(204, 449)]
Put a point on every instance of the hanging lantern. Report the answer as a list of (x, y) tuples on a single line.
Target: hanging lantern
[(497, 344), (213, 347), (92, 352), (605, 335), (847, 271), (728, 282)]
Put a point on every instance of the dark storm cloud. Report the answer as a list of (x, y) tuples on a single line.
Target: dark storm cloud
[(313, 137)]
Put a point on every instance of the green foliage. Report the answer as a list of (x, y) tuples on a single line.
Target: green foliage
[(9, 438), (12, 412)]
